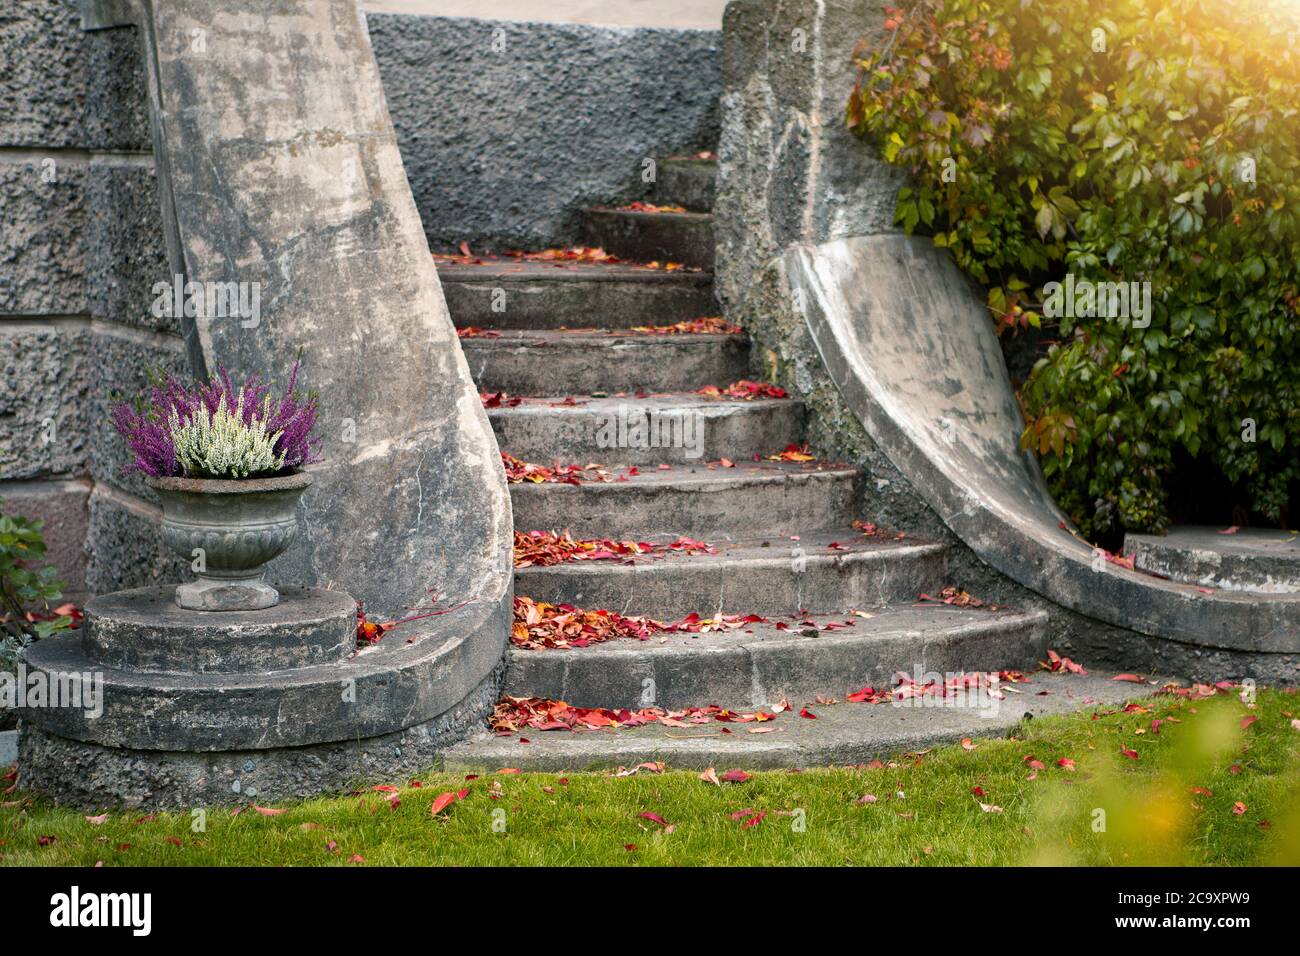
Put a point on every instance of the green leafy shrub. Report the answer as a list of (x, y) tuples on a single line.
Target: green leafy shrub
[(27, 588), (1154, 141)]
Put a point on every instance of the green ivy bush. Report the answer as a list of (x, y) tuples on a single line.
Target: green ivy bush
[(1154, 141)]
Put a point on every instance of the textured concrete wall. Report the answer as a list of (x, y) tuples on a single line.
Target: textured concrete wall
[(80, 247), (508, 129)]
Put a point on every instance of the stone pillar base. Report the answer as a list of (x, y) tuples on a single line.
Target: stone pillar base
[(92, 776), (148, 704)]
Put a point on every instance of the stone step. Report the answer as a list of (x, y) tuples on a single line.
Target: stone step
[(519, 294), (750, 500), (1265, 560), (677, 428), (843, 734), (760, 665), (583, 361), (775, 576), (683, 237), (686, 181)]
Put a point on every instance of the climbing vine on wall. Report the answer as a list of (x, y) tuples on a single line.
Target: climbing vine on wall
[(1076, 160)]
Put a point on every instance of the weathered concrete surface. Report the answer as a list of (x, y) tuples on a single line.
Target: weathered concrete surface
[(685, 238), (677, 429), (760, 665), (8, 747), (767, 497), (541, 295), (42, 245), (144, 630), (509, 129), (908, 344), (1250, 559), (769, 577), (536, 363), (279, 166), (687, 181), (93, 776), (279, 173), (45, 390), (695, 14), (842, 734), (789, 171)]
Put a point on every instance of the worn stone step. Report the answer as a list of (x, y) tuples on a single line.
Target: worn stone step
[(749, 500), (684, 237), (766, 576), (668, 428), (686, 181), (525, 362), (843, 734), (1266, 560), (761, 664), (518, 294)]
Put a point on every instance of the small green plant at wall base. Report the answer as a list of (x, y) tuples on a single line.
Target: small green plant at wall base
[(27, 588), (1146, 149)]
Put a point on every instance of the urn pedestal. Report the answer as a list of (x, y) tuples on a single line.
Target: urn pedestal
[(229, 529)]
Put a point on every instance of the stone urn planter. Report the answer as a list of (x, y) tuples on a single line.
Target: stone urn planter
[(228, 529)]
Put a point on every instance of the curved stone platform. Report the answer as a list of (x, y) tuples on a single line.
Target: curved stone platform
[(412, 676), (1246, 559), (144, 630), (96, 776)]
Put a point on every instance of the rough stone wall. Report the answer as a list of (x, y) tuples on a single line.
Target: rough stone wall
[(80, 248), (508, 129), (499, 146)]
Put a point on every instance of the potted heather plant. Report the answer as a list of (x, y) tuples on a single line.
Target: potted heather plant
[(227, 463)]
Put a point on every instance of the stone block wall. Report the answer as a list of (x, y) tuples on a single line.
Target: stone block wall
[(81, 247)]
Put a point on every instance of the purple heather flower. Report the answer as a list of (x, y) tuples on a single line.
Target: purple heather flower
[(145, 426)]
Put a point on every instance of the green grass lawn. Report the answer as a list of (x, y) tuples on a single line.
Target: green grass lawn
[(1110, 809)]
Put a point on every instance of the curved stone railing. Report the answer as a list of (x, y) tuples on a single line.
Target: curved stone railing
[(279, 172), (911, 349), (810, 263)]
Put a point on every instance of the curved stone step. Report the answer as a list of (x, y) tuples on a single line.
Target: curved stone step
[(519, 294), (843, 734), (760, 664), (687, 181), (667, 428), (683, 237), (750, 500), (773, 576), (1266, 560), (584, 361)]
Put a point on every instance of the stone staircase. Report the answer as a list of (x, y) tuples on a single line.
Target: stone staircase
[(559, 339)]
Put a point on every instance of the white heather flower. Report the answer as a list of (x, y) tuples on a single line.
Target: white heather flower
[(219, 445)]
